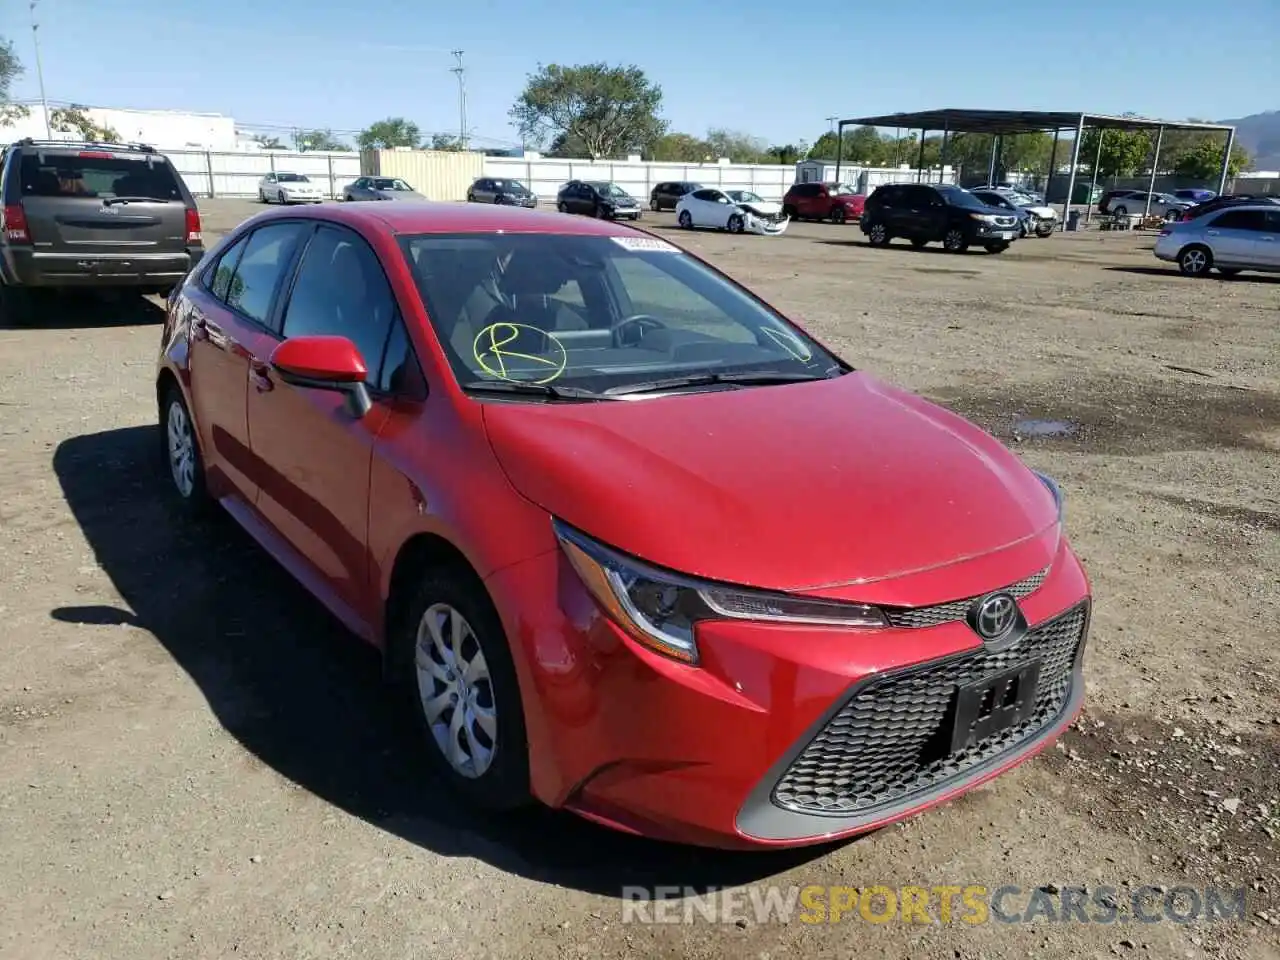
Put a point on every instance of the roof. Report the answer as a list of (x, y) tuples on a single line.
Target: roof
[(427, 216), (1019, 121)]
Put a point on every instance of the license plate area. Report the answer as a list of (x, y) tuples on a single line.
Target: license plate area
[(994, 704)]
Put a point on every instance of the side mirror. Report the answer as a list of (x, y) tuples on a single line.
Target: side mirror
[(325, 363)]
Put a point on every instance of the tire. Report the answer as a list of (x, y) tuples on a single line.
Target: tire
[(997, 247), (838, 215), (954, 240), (262, 195), (1195, 260), (685, 220), (918, 244), (653, 205), (20, 306), (601, 213), (560, 206), (736, 223), (490, 766), (281, 198), (1044, 229), (878, 235), (1121, 211), (186, 470)]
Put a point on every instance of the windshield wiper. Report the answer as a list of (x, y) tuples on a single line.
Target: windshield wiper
[(108, 201), (547, 390), (757, 378)]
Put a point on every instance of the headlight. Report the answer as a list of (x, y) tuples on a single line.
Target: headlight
[(660, 609), (984, 217), (1054, 489)]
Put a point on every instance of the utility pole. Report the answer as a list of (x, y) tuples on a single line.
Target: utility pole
[(461, 71), (832, 121), (44, 103)]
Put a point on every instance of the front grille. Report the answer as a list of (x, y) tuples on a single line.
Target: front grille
[(956, 609), (890, 741), (1005, 221)]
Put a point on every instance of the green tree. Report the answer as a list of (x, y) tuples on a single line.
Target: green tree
[(863, 145), (1202, 160), (443, 141), (737, 146), (785, 153), (318, 140), (389, 133), (268, 142), (74, 119), (608, 110), (1123, 152), (10, 70), (680, 147)]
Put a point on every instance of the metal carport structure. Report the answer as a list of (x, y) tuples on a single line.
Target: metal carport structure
[(1000, 123)]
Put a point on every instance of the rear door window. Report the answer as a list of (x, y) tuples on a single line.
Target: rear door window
[(1241, 220), (76, 175)]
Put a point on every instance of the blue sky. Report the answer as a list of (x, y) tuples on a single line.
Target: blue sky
[(750, 65)]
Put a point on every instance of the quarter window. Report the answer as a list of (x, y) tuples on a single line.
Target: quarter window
[(264, 263)]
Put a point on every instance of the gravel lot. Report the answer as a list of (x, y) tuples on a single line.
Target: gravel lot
[(195, 761)]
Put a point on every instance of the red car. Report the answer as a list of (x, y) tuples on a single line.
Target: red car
[(837, 202), (632, 543)]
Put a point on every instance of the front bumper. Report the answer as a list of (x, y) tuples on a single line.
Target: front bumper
[(783, 735), (767, 226), (996, 233), (624, 213), (24, 266)]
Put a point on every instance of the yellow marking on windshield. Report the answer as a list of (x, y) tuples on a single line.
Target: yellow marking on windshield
[(790, 344), (489, 348)]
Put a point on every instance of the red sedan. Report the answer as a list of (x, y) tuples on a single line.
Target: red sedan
[(631, 542)]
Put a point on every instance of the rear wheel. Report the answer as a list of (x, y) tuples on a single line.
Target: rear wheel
[(955, 241), (1121, 211), (838, 214), (1195, 261), (459, 681), (182, 453)]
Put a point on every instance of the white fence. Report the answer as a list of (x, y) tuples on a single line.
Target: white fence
[(236, 174), (211, 173)]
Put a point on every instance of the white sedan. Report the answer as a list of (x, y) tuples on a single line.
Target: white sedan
[(738, 211), (282, 187)]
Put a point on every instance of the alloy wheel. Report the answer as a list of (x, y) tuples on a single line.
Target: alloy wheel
[(455, 690), (1194, 262), (879, 235), (182, 449)]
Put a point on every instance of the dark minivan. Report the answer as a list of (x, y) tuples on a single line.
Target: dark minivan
[(665, 196), (512, 193), (936, 212), (92, 215)]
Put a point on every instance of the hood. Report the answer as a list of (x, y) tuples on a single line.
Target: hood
[(621, 201), (766, 208), (399, 195), (1043, 212), (792, 487)]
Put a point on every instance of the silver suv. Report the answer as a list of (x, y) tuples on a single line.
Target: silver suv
[(91, 215)]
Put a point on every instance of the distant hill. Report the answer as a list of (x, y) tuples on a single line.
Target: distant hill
[(1260, 135)]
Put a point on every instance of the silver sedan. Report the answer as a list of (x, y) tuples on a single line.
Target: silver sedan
[(1239, 237), (380, 188)]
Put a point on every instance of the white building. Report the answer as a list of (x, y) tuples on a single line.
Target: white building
[(164, 129)]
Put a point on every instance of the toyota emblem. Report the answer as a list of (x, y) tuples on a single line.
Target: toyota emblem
[(994, 616)]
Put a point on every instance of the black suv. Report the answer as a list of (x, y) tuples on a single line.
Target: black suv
[(92, 215), (936, 212), (597, 198), (665, 196), (513, 193)]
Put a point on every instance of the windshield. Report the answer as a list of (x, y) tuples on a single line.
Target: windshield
[(958, 196), (841, 190), (745, 196), (390, 183), (291, 178), (609, 190), (594, 313), (510, 186)]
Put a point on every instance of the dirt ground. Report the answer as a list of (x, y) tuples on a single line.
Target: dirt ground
[(196, 761)]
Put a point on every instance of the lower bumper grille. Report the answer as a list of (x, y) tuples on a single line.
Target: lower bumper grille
[(891, 740)]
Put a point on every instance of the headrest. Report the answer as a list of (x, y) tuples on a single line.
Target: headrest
[(534, 273)]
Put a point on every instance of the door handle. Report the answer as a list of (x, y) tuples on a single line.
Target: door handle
[(260, 376), (1212, 233), (1269, 239), (199, 326)]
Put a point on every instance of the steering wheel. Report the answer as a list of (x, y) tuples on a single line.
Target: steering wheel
[(644, 321)]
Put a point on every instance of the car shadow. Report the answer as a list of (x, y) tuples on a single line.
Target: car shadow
[(306, 697), (1172, 271), (906, 247), (89, 309)]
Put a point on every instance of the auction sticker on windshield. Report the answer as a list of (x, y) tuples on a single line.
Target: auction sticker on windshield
[(645, 245)]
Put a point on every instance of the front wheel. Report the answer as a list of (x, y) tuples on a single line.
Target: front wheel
[(281, 198), (1121, 211), (1195, 261), (262, 195), (955, 241), (1044, 229), (878, 235), (562, 208), (736, 223), (653, 205), (685, 220), (460, 684)]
